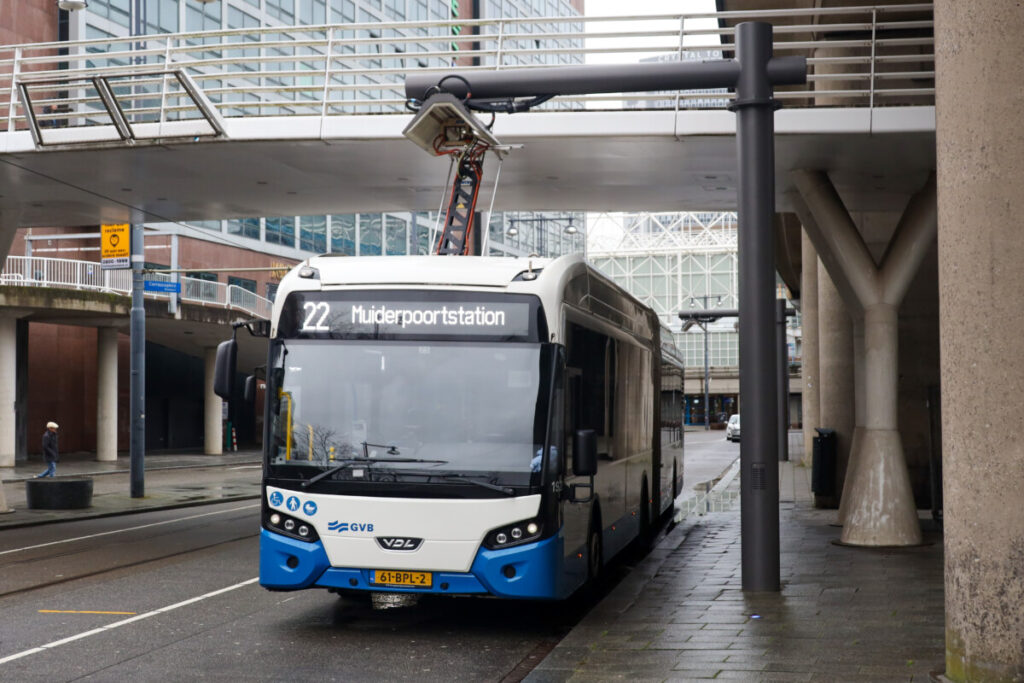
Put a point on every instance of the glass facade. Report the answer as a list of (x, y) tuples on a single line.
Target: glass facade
[(677, 262), (363, 234)]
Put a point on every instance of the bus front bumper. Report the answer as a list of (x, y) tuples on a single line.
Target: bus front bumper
[(527, 571)]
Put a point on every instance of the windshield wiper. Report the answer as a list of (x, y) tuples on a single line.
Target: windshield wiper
[(455, 476), (349, 462)]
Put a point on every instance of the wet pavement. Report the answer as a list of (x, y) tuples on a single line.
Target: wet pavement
[(843, 614), (170, 480)]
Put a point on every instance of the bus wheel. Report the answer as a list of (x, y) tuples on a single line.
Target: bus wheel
[(594, 550)]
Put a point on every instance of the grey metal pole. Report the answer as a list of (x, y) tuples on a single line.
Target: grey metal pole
[(137, 400), (782, 376), (707, 378), (759, 473)]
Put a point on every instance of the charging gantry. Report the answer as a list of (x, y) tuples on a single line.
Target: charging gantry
[(444, 125)]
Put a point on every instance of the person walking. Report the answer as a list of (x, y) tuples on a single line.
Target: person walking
[(49, 450)]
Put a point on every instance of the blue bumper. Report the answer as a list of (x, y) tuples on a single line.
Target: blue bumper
[(527, 571)]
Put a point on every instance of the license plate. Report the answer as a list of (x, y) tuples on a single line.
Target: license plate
[(394, 578)]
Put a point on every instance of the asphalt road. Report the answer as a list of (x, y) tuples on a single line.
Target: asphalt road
[(173, 596)]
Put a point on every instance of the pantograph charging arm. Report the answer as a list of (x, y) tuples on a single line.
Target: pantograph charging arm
[(458, 222)]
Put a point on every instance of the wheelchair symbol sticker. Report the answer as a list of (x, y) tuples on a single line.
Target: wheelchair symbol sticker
[(276, 498)]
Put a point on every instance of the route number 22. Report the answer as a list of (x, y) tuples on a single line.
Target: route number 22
[(312, 310)]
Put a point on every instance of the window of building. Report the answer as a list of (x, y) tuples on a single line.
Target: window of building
[(162, 16), (202, 17), (313, 12), (369, 234), (244, 283), (246, 227), (202, 275), (116, 10), (282, 10), (313, 233), (397, 237), (343, 12), (394, 9), (281, 230), (343, 235)]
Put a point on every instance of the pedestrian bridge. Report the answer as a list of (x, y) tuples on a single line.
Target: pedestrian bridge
[(308, 119), (72, 292)]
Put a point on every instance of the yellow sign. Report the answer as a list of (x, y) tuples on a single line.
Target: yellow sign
[(115, 246)]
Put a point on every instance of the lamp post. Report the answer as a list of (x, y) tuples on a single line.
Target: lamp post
[(702, 318)]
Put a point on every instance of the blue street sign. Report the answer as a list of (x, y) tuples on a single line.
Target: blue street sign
[(161, 286)]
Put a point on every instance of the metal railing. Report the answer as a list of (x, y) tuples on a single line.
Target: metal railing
[(874, 55), (31, 271)]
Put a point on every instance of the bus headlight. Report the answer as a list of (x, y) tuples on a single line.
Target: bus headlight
[(513, 534), (289, 526)]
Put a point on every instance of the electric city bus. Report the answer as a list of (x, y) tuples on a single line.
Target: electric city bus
[(458, 426)]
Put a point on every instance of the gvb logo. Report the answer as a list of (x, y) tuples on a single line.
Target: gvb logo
[(342, 527)]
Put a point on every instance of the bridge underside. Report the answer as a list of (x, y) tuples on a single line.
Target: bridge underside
[(596, 161)]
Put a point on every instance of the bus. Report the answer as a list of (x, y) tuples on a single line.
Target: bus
[(463, 426)]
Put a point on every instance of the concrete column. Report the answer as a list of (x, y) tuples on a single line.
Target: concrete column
[(880, 509), (980, 151), (835, 367), (809, 350), (214, 441), (8, 388), (106, 394), (860, 399)]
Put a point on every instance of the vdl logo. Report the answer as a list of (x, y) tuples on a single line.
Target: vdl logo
[(347, 526)]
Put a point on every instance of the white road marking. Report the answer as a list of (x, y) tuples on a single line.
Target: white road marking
[(133, 528), (124, 622)]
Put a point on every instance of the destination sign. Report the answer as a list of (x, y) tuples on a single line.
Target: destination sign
[(348, 315)]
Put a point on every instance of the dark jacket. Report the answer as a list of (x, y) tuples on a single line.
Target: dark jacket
[(50, 446)]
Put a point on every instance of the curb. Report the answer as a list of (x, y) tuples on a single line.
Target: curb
[(115, 513), (17, 479)]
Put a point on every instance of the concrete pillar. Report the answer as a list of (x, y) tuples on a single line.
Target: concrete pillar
[(212, 408), (980, 152), (809, 349), (860, 399), (880, 509), (106, 394), (835, 367), (8, 388)]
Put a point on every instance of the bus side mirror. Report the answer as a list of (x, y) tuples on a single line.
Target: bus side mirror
[(249, 396), (584, 453), (224, 370)]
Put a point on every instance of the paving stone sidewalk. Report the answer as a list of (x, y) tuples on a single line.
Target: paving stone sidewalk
[(844, 614)]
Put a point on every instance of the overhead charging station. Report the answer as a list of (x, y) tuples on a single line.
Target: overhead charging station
[(445, 123)]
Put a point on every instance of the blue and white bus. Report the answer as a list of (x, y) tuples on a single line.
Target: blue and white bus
[(463, 426)]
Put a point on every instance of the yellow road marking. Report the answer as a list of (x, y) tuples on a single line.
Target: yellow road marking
[(79, 611)]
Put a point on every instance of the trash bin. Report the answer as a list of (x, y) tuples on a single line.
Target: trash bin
[(823, 465)]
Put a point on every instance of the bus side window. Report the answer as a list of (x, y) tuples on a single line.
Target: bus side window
[(572, 415)]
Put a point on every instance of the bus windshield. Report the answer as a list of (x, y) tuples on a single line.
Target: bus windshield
[(403, 410)]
